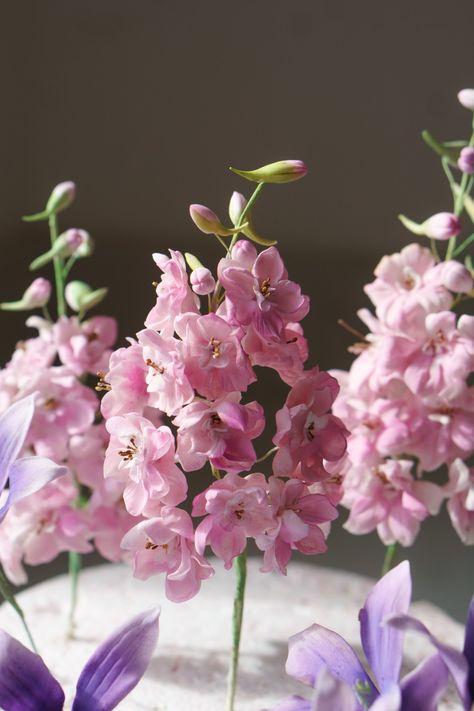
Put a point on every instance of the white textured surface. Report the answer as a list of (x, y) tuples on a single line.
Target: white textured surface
[(188, 671)]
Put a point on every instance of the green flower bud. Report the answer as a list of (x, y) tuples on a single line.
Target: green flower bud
[(81, 297), (283, 171), (61, 197)]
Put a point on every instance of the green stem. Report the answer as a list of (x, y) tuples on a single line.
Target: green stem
[(8, 595), (240, 565), (74, 570), (389, 559), (58, 266)]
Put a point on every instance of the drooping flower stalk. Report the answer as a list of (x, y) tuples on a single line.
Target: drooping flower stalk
[(240, 566)]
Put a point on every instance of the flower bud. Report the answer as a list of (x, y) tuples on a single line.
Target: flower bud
[(283, 171), (466, 98), (207, 221), (192, 261), (80, 296), (443, 225), (202, 281), (62, 196), (236, 207), (466, 160), (455, 277), (38, 293), (36, 296)]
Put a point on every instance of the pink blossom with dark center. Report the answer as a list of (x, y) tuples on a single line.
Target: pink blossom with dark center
[(307, 433), (235, 508), (261, 294), (214, 361), (221, 432)]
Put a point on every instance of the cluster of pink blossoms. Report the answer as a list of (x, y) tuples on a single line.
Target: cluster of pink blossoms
[(64, 428), (407, 400), (175, 404)]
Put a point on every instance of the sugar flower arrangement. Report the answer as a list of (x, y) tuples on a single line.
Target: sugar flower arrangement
[(112, 472)]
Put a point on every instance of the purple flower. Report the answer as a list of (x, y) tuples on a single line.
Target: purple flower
[(326, 662), (111, 673), (459, 664), (27, 474)]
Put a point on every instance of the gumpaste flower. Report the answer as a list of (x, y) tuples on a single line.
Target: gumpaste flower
[(111, 673), (345, 685), (27, 474)]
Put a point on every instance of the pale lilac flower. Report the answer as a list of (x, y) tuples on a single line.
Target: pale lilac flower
[(390, 499), (214, 361), (324, 661), (108, 677), (234, 508), (174, 295), (142, 457), (25, 475), (307, 434), (299, 518), (466, 160), (221, 432), (85, 347), (262, 294), (168, 386), (165, 544), (202, 281), (453, 275)]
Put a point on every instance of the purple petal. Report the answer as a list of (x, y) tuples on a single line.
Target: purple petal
[(469, 648), (454, 660), (423, 687), (332, 693), (316, 648), (28, 475), (118, 664), (390, 700), (25, 682), (293, 703), (383, 646), (14, 426)]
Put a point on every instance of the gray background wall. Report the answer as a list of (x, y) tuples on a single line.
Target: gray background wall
[(145, 103)]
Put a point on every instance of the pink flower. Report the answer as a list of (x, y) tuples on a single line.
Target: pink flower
[(84, 347), (174, 295), (220, 432), (460, 490), (261, 294), (142, 457), (388, 498), (405, 289), (466, 160), (236, 507), (298, 516), (453, 275), (124, 383), (214, 360), (63, 407), (285, 354), (165, 545), (307, 433), (108, 525), (168, 387), (41, 526)]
